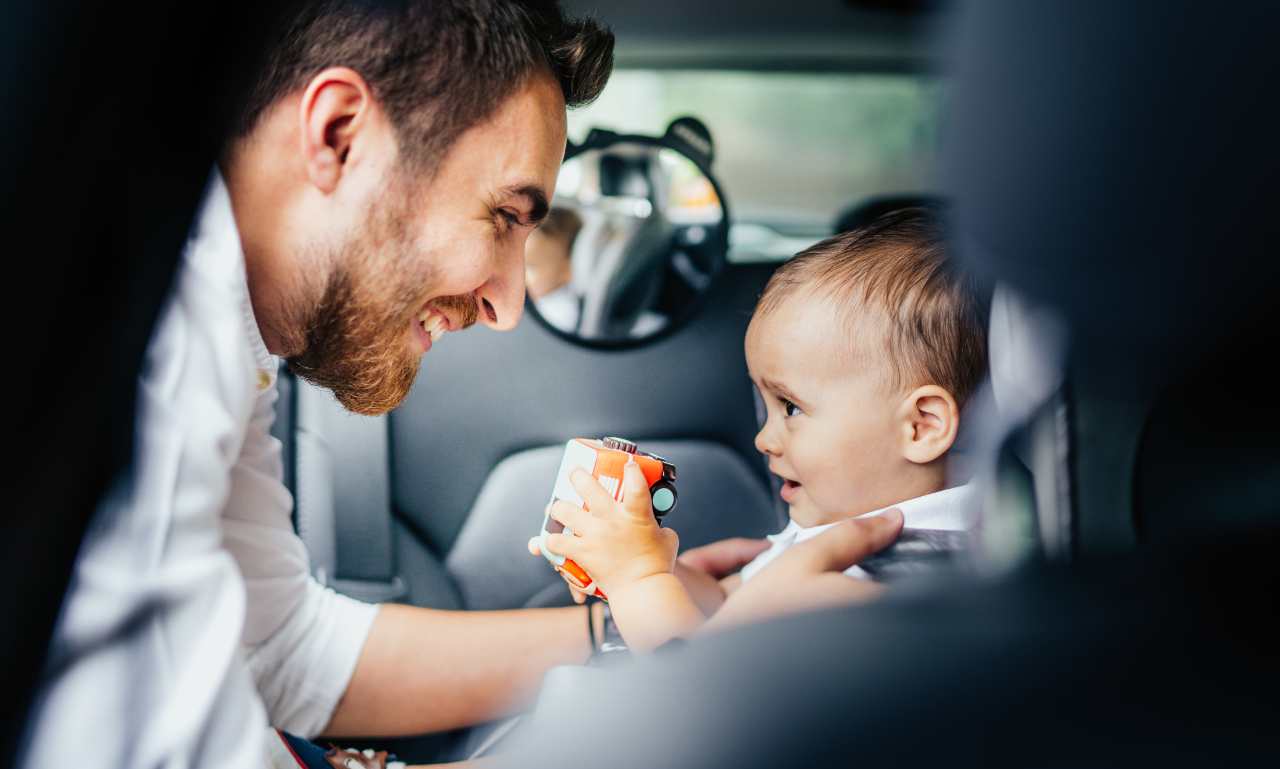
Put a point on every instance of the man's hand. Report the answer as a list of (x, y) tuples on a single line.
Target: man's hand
[(810, 575), (617, 543), (720, 559), (702, 570)]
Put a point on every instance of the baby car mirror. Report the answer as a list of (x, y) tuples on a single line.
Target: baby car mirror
[(637, 231)]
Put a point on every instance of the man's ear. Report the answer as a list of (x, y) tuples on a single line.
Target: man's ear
[(334, 107), (930, 419)]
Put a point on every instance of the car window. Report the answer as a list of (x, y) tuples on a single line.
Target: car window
[(793, 149)]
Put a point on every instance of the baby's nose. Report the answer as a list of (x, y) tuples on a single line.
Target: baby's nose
[(765, 444)]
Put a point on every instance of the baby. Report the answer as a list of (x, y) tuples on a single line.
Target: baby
[(864, 349)]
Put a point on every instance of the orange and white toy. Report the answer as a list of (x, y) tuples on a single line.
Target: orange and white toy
[(604, 459)]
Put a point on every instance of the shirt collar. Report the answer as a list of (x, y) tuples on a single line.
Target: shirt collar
[(948, 510), (216, 230), (789, 533)]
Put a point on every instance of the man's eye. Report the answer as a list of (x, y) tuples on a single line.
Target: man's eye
[(510, 218), (790, 408)]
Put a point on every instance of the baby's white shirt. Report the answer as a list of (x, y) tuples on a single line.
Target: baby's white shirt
[(946, 510)]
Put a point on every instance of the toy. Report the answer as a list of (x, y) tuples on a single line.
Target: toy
[(604, 459)]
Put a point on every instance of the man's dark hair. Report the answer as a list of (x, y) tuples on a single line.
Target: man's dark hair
[(438, 67)]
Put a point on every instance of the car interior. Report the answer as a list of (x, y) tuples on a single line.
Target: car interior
[(432, 504), (1110, 614), (427, 503), (1113, 434)]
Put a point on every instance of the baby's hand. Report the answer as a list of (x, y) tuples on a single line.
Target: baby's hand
[(575, 587), (617, 543)]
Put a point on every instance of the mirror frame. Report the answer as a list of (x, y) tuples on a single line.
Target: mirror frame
[(601, 139)]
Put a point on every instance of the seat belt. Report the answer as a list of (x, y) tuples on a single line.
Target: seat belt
[(282, 429), (342, 494)]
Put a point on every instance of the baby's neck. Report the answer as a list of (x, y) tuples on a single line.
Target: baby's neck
[(920, 486)]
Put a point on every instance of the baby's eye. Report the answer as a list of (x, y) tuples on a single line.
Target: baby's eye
[(790, 408)]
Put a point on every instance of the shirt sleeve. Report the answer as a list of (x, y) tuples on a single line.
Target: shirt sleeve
[(301, 640)]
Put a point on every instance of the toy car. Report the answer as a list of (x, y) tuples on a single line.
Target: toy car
[(604, 459)]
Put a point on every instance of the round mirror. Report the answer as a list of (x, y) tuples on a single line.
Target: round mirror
[(637, 230)]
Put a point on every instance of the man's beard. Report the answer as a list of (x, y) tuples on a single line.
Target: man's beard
[(355, 333)]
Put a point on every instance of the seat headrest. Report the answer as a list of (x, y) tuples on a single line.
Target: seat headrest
[(1118, 168), (868, 210), (1026, 348)]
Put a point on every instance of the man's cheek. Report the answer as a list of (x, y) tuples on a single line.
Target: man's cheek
[(462, 273)]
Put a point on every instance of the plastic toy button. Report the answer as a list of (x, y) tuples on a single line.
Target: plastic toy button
[(663, 500)]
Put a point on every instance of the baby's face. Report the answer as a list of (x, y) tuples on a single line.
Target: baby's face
[(831, 432), (546, 263)]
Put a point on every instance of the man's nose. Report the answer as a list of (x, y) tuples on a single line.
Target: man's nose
[(500, 300)]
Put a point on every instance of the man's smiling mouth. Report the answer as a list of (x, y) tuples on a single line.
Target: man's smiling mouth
[(430, 326), (433, 323)]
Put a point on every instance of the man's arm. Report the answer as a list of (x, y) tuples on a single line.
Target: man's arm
[(325, 662), (425, 670), (705, 590), (703, 570)]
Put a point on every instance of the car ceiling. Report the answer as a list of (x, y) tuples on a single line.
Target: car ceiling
[(834, 35)]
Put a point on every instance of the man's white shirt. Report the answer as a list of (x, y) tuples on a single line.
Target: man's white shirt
[(191, 620), (946, 510)]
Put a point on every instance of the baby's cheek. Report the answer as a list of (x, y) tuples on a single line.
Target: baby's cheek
[(861, 470), (831, 483)]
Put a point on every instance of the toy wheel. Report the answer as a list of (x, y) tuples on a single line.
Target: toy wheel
[(664, 499)]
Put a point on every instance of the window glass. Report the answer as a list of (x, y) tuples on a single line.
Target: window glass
[(793, 150)]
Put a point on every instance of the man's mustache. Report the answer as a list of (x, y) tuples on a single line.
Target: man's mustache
[(460, 309)]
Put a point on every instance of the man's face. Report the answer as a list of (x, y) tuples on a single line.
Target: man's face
[(434, 256)]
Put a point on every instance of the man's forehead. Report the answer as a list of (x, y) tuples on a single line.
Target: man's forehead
[(520, 146), (532, 123)]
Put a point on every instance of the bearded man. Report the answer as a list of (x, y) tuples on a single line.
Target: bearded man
[(390, 163)]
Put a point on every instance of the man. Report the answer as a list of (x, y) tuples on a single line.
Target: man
[(389, 166)]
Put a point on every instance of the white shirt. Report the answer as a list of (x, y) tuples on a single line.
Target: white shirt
[(946, 510), (191, 618)]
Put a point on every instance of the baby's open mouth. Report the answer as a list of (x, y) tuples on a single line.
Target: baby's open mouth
[(789, 490)]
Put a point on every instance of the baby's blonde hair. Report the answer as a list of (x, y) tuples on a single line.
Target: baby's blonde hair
[(897, 267)]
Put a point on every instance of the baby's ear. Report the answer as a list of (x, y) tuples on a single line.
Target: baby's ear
[(929, 419)]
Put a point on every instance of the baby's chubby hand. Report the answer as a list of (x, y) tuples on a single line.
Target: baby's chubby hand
[(617, 543)]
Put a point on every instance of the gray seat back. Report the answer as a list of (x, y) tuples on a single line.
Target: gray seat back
[(342, 496)]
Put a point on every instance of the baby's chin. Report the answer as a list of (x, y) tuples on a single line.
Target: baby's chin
[(808, 515)]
